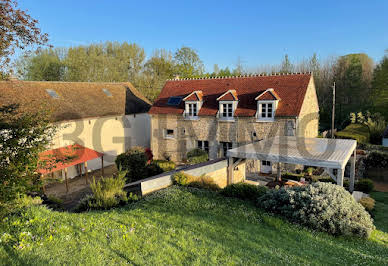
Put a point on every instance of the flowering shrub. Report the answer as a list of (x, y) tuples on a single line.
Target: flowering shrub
[(244, 191), (321, 206)]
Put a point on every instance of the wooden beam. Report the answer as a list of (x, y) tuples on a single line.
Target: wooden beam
[(230, 171), (67, 181), (237, 162), (86, 172), (340, 177), (43, 186), (352, 171), (102, 166)]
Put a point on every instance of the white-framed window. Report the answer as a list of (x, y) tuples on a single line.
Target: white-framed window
[(192, 109), (225, 147), (227, 110), (266, 110), (203, 145), (169, 133)]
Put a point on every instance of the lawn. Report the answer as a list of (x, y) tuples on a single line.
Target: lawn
[(181, 226)]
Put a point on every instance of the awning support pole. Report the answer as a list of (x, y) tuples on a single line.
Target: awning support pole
[(102, 166), (86, 172), (279, 174), (67, 181), (43, 186), (352, 171), (230, 171)]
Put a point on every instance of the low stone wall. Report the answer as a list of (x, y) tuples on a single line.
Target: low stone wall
[(217, 169)]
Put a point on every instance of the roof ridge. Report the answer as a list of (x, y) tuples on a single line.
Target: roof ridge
[(58, 81), (244, 76)]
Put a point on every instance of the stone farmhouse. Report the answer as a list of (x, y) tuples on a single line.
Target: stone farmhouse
[(217, 114), (105, 118)]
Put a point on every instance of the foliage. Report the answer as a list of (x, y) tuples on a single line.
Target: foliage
[(107, 193), (244, 191), (188, 63), (199, 222), (376, 159), (354, 131), (292, 176), (22, 137), (371, 147), (165, 165), (18, 31), (320, 206), (365, 185), (368, 203), (203, 181), (197, 156), (380, 85), (287, 67), (134, 163), (374, 122), (152, 169)]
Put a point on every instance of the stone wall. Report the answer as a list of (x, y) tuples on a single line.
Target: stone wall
[(308, 120)]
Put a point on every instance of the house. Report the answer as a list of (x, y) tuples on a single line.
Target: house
[(217, 114), (385, 137), (103, 118)]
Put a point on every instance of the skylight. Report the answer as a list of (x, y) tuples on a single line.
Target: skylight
[(107, 92), (53, 94), (175, 100)]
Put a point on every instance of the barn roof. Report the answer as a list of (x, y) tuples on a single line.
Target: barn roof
[(74, 100)]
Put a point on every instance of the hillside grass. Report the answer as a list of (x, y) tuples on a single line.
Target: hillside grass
[(181, 226), (354, 131)]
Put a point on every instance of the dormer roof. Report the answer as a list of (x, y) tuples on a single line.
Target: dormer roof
[(194, 96), (268, 95), (230, 95)]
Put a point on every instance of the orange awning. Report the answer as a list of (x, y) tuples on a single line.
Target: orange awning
[(64, 157)]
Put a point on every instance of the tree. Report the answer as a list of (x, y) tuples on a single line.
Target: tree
[(287, 67), (374, 122), (239, 70), (380, 87), (18, 30), (188, 64), (22, 136)]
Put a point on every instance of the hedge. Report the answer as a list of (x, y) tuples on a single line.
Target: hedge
[(165, 165), (377, 159), (197, 156), (354, 131)]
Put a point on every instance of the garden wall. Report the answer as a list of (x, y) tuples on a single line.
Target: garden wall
[(217, 169)]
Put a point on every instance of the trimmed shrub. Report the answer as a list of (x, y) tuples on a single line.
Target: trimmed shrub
[(184, 179), (244, 191), (368, 203), (165, 165), (197, 156), (134, 163), (365, 185), (292, 176), (107, 193), (320, 206), (377, 159), (152, 170), (354, 131)]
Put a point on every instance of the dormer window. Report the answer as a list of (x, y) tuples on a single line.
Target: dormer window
[(193, 103), (227, 105), (267, 103)]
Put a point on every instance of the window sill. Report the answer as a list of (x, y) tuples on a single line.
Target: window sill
[(228, 120), (265, 120), (192, 118), (167, 137)]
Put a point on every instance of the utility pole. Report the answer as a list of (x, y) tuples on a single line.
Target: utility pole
[(333, 113)]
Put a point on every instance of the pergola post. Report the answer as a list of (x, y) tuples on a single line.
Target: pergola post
[(352, 171), (86, 172), (67, 181), (43, 186), (230, 171), (279, 175), (102, 166), (340, 177)]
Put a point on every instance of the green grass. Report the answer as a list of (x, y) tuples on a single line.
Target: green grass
[(354, 131), (380, 211), (180, 226)]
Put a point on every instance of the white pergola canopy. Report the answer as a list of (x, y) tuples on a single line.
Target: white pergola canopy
[(320, 152)]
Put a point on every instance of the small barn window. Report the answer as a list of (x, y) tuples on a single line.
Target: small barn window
[(107, 92), (52, 93)]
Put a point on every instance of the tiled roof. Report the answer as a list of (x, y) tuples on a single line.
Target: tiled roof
[(76, 100), (291, 88), (230, 95)]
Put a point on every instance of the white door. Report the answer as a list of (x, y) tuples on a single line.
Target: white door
[(266, 167)]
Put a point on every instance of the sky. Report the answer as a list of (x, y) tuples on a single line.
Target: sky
[(257, 32)]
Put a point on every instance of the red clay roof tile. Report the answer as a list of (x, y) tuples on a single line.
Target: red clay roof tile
[(290, 88)]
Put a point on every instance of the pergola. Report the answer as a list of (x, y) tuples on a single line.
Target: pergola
[(327, 153), (65, 157)]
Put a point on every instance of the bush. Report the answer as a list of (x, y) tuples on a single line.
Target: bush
[(368, 203), (107, 193), (183, 179), (165, 165), (292, 176), (152, 170), (354, 131), (320, 206), (244, 191), (134, 163), (365, 185), (197, 156), (377, 159)]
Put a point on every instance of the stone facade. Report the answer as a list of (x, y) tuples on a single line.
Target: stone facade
[(241, 131)]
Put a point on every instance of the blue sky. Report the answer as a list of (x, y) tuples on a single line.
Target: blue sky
[(259, 32)]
